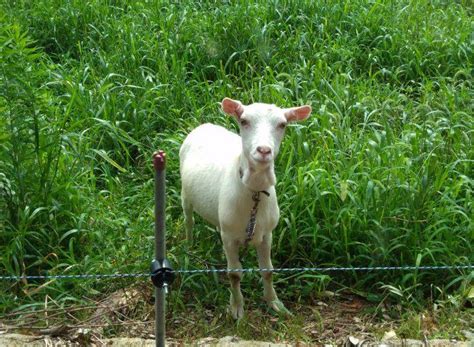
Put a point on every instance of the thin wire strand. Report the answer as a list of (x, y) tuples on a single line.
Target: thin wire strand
[(210, 271)]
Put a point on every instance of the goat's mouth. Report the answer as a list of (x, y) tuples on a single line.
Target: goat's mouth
[(262, 159)]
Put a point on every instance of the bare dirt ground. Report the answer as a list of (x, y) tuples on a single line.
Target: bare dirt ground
[(17, 340), (125, 318)]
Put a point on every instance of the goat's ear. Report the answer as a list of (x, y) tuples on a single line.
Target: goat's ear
[(297, 113), (232, 107)]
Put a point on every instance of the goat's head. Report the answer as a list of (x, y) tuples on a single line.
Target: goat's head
[(262, 127)]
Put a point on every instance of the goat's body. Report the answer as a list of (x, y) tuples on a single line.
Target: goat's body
[(220, 173), (211, 184)]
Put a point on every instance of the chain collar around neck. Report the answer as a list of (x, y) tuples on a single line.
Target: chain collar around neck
[(250, 230)]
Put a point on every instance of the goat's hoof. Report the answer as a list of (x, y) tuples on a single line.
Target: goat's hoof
[(278, 307), (237, 311)]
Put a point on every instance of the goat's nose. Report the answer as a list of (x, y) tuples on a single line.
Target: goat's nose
[(265, 150)]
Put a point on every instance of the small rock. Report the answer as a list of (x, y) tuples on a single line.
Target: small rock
[(468, 334), (328, 293), (353, 341), (389, 335)]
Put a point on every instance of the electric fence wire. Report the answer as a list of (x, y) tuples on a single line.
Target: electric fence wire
[(210, 271)]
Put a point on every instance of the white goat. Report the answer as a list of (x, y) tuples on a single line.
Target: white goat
[(220, 173)]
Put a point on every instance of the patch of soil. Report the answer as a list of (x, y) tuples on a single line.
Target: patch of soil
[(343, 318)]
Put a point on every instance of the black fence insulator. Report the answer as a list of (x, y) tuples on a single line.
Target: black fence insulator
[(162, 273)]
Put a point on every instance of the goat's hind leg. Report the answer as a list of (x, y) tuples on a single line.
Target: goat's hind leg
[(188, 216)]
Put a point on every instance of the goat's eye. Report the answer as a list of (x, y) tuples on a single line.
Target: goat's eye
[(244, 122), (282, 125)]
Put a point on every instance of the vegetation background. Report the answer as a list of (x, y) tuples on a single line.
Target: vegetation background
[(382, 173)]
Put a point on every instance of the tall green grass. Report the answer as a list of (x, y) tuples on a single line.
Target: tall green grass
[(382, 174)]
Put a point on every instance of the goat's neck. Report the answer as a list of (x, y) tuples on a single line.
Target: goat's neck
[(256, 177)]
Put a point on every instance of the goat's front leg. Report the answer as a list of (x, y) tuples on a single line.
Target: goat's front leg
[(231, 249), (265, 262)]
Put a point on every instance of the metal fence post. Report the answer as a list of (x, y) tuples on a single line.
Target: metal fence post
[(162, 273)]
